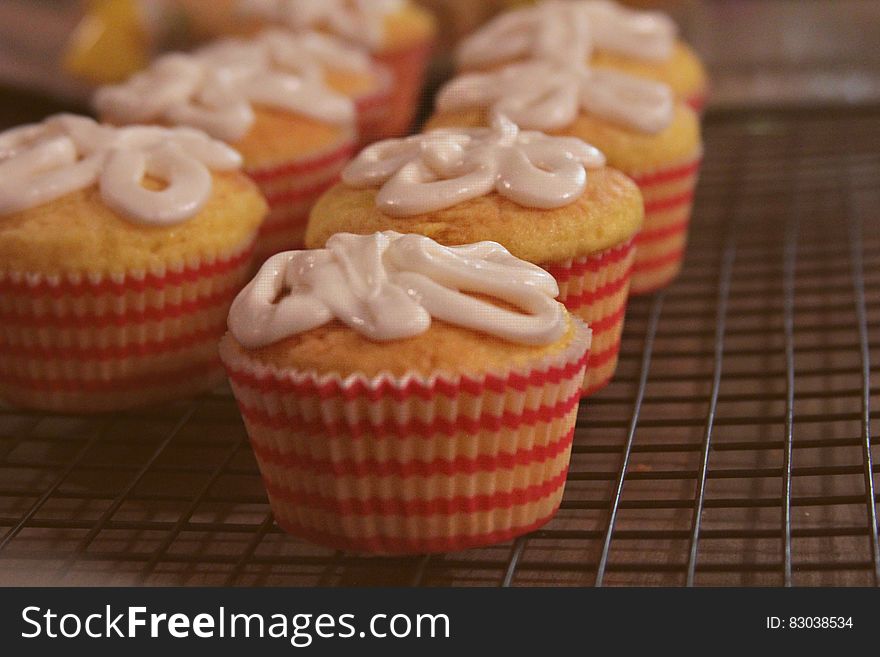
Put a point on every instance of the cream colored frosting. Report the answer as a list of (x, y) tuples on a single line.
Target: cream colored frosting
[(442, 168), (389, 286), (44, 161), (359, 21), (215, 88), (568, 31), (544, 95)]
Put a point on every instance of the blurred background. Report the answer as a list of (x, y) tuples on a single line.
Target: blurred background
[(759, 52)]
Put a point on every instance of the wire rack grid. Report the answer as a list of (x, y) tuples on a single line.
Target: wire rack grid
[(736, 445)]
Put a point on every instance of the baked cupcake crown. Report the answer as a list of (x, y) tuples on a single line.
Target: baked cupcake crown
[(442, 168), (360, 21), (44, 161), (389, 286), (568, 31), (215, 88), (545, 95)]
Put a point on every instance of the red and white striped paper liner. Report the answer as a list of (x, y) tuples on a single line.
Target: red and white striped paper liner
[(697, 101), (409, 67), (374, 110), (596, 289), (660, 246), (412, 464), (94, 343), (291, 189)]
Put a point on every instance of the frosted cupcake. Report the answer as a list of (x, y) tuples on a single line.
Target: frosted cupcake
[(406, 397), (121, 250), (265, 97), (636, 123), (398, 33), (548, 200), (605, 34)]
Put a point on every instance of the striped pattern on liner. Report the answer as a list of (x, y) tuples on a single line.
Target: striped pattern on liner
[(95, 344), (291, 190), (373, 112), (669, 198), (697, 102), (424, 468), (596, 289), (409, 67)]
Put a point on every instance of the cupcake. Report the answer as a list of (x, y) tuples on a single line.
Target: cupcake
[(530, 192), (399, 35), (267, 98), (121, 250), (405, 397), (605, 34), (636, 123)]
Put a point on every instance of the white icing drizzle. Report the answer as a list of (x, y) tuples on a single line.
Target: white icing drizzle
[(442, 168), (45, 161), (388, 286), (542, 95), (568, 32), (215, 88), (359, 21)]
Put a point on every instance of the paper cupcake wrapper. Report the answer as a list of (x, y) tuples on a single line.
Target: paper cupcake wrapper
[(400, 465), (409, 67), (661, 244), (291, 189), (596, 289), (374, 110), (697, 101), (92, 343)]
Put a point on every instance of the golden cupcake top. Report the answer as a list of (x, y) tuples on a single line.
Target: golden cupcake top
[(43, 162), (389, 286), (442, 168), (366, 22), (550, 95), (218, 87), (609, 211), (569, 30)]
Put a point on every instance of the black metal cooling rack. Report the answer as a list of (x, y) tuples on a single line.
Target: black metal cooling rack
[(736, 445)]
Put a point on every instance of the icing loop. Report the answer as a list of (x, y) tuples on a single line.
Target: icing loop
[(568, 32), (546, 96), (43, 162), (215, 88), (389, 286), (360, 21), (443, 168)]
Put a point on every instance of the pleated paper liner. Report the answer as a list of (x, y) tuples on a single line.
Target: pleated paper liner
[(596, 289), (83, 343), (291, 189), (374, 110), (697, 101), (398, 465), (409, 67), (661, 244)]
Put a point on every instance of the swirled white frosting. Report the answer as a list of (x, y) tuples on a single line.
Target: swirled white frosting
[(359, 21), (44, 161), (215, 88), (543, 95), (388, 286), (569, 31), (442, 168)]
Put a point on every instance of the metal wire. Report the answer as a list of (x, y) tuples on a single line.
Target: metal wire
[(735, 445)]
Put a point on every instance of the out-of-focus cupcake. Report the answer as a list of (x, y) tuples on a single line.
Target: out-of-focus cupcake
[(405, 397), (548, 200), (636, 123), (267, 98), (398, 33), (121, 250), (640, 43)]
